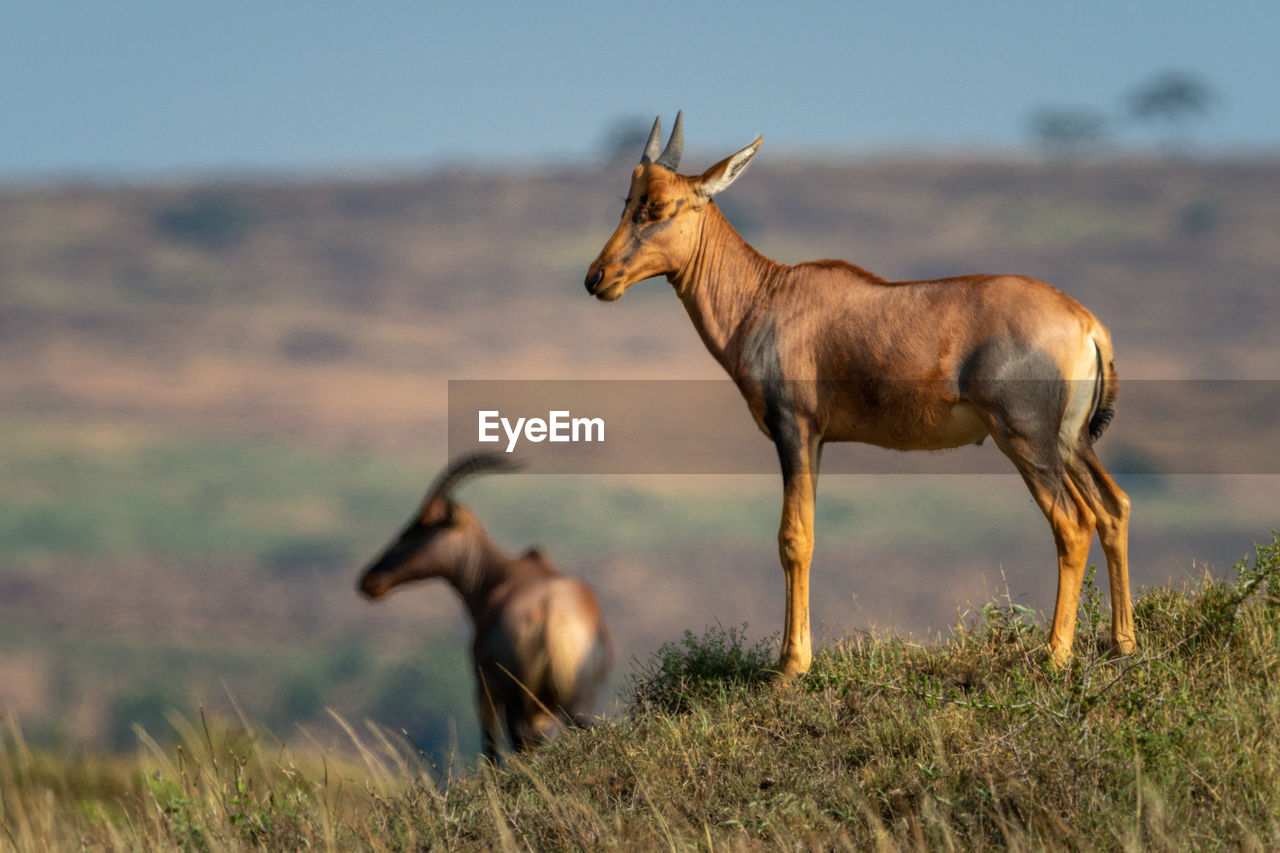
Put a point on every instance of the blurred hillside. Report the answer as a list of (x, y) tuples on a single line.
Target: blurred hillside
[(219, 399)]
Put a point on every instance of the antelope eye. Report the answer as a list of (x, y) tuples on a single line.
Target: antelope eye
[(648, 209)]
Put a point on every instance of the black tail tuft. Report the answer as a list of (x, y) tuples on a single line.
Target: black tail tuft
[(1108, 390), (1098, 423)]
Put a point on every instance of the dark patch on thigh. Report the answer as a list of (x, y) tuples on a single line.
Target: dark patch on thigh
[(1018, 383)]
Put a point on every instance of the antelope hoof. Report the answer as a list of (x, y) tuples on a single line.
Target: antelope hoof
[(783, 675), (1059, 657), (789, 666), (1123, 646)]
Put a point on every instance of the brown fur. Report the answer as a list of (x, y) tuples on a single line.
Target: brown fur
[(541, 648), (826, 351)]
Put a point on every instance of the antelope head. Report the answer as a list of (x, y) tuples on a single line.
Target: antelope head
[(443, 538), (662, 218)]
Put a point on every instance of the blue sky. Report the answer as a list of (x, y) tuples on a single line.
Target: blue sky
[(138, 88)]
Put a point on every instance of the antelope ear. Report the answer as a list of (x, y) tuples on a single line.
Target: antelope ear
[(718, 177), (438, 510)]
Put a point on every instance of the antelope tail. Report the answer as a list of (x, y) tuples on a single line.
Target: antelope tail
[(1108, 389)]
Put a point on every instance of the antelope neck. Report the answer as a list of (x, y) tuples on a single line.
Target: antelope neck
[(482, 569), (721, 282)]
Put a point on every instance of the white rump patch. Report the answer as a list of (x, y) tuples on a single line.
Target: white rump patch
[(1082, 388)]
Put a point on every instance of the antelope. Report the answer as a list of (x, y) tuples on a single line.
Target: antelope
[(540, 650), (827, 351)]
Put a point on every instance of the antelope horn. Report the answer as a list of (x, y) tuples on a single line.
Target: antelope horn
[(675, 145), (655, 139), (467, 466)]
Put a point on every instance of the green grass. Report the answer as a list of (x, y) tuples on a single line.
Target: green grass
[(679, 676), (972, 742)]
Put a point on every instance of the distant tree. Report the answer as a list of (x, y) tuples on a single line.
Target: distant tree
[(624, 139), (212, 221), (1068, 132), (1173, 99)]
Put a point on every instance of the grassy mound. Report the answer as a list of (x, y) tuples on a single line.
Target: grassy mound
[(963, 743)]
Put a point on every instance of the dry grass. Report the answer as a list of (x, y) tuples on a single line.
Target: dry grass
[(885, 744)]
